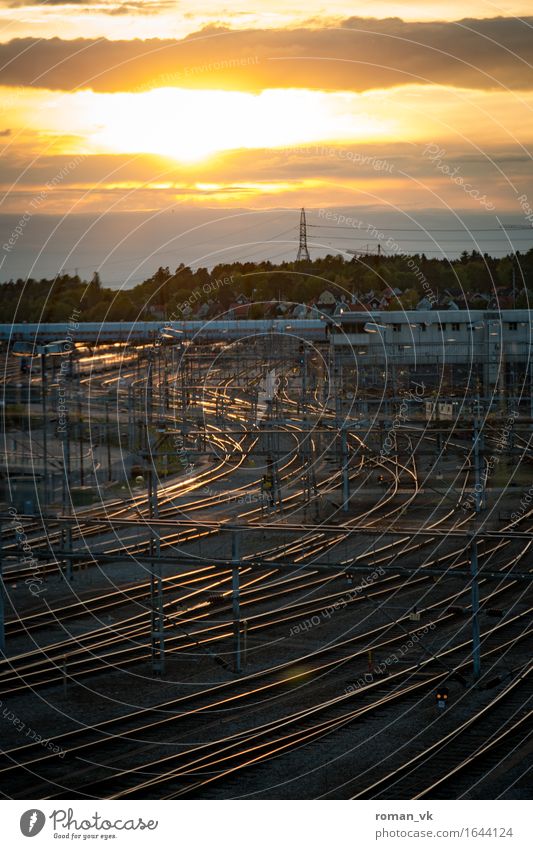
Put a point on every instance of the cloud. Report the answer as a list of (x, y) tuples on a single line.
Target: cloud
[(15, 4), (5, 133), (323, 172), (143, 7), (358, 55)]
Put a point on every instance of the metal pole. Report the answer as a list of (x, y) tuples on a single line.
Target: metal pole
[(69, 526), (235, 595), (477, 470), (345, 476), (328, 376), (149, 387), (476, 647), (45, 442), (304, 383), (183, 381), (245, 642), (530, 367), (66, 495), (2, 613), (108, 441), (80, 437), (130, 419), (156, 578), (336, 389), (160, 384)]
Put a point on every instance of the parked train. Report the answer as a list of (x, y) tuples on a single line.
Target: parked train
[(153, 332)]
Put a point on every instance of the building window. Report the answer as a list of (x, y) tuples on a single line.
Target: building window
[(442, 326), (455, 326), (513, 325), (396, 327), (353, 327)]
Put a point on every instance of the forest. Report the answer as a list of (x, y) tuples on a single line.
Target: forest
[(473, 280)]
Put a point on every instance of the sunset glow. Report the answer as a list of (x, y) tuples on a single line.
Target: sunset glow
[(264, 105)]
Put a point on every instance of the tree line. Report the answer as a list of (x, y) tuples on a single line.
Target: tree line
[(472, 276)]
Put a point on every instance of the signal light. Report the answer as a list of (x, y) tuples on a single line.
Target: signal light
[(442, 697)]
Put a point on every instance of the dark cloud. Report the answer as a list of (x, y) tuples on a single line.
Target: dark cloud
[(15, 4), (324, 162), (358, 55), (149, 7)]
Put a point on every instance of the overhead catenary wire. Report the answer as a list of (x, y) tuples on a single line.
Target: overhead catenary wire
[(423, 229)]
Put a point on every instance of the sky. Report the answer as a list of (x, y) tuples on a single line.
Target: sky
[(147, 105)]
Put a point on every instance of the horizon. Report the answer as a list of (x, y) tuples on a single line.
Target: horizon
[(127, 247)]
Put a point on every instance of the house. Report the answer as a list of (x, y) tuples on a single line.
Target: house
[(158, 311), (371, 300), (504, 297), (326, 302), (237, 310), (203, 310), (299, 311)]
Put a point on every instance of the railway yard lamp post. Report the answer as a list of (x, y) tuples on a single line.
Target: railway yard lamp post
[(131, 420), (56, 348), (108, 443), (235, 594), (156, 576), (150, 387), (303, 379), (477, 437), (44, 428), (476, 647), (173, 334), (345, 474), (529, 373), (66, 532), (330, 384), (23, 349), (80, 439), (2, 611), (479, 504)]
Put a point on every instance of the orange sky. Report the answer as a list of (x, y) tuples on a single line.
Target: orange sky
[(149, 104)]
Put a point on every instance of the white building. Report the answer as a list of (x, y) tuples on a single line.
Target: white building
[(453, 349)]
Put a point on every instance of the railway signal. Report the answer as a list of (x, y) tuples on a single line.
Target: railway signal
[(268, 487), (442, 697)]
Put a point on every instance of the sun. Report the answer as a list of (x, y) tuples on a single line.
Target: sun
[(191, 125)]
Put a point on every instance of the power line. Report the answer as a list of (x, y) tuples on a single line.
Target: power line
[(430, 229), (368, 238)]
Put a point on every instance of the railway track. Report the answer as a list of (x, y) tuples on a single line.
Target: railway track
[(126, 640), (141, 731), (434, 771), (207, 741)]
